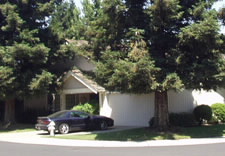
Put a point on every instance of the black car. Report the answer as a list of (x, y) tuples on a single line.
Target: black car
[(71, 120)]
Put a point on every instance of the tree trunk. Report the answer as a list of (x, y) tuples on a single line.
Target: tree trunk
[(161, 121), (9, 116)]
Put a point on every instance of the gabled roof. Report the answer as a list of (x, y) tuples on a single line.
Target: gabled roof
[(90, 84)]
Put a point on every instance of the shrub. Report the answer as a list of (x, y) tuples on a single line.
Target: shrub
[(87, 107), (202, 112), (219, 111), (214, 120), (182, 119), (95, 105)]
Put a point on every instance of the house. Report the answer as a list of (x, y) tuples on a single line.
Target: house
[(46, 103), (130, 109), (78, 89), (125, 109)]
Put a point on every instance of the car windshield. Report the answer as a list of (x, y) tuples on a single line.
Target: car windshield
[(58, 114)]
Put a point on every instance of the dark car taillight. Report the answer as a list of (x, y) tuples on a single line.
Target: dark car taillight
[(45, 122)]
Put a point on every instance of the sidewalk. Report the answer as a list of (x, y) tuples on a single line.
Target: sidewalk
[(40, 137)]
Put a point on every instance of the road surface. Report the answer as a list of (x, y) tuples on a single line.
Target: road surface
[(18, 149)]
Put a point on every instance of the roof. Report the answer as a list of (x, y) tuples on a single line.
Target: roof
[(92, 85)]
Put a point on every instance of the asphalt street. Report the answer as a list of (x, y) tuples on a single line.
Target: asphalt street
[(19, 149)]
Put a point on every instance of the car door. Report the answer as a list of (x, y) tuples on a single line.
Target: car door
[(77, 120)]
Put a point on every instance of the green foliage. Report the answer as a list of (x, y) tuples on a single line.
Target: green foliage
[(202, 112), (200, 57), (219, 111), (172, 39), (104, 31), (66, 21), (182, 119), (133, 71), (6, 79), (41, 81), (88, 108), (29, 51), (92, 107), (158, 46), (213, 120)]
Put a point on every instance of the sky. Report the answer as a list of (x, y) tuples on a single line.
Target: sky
[(218, 4), (78, 3)]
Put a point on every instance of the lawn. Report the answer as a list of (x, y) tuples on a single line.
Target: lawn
[(14, 128), (143, 134)]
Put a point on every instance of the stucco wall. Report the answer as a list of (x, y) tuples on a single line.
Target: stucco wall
[(181, 101), (208, 97), (137, 110), (127, 109)]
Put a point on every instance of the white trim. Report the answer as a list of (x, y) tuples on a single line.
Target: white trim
[(76, 91)]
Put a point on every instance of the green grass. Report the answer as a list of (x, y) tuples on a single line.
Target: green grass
[(143, 134), (14, 128)]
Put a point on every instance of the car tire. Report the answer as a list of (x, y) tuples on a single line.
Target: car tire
[(64, 128), (103, 125)]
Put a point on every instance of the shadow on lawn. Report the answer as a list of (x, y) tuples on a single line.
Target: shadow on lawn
[(8, 127), (205, 131), (143, 134)]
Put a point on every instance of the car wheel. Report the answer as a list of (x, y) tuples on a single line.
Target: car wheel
[(103, 125), (64, 128)]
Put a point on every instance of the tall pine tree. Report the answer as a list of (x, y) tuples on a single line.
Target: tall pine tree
[(66, 21), (163, 45), (27, 50)]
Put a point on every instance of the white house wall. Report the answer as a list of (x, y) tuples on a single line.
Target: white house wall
[(128, 109), (208, 97), (137, 110), (181, 101)]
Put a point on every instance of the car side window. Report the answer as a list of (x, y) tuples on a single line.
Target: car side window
[(74, 114), (82, 115)]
